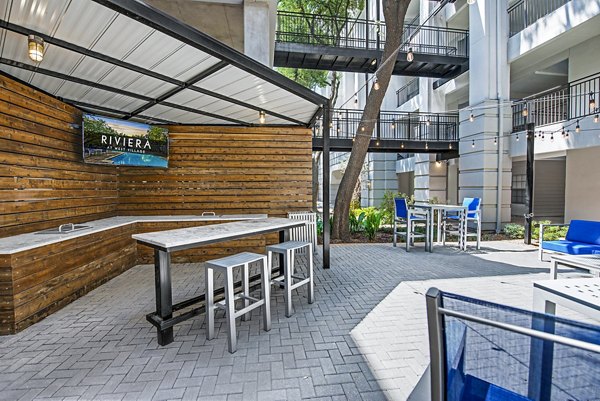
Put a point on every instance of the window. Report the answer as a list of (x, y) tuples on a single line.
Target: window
[(519, 188)]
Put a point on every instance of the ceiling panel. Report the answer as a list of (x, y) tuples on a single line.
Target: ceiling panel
[(39, 15), (122, 37), (84, 22)]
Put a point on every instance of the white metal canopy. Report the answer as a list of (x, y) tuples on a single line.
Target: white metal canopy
[(129, 60)]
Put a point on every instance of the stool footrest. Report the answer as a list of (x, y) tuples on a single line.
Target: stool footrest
[(300, 283)]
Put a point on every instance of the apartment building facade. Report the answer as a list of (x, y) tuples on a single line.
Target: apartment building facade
[(534, 54)]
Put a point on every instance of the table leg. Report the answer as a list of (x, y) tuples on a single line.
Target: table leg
[(164, 300), (554, 270), (464, 230), (439, 226), (430, 215)]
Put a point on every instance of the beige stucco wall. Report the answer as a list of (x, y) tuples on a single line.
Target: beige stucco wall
[(582, 189)]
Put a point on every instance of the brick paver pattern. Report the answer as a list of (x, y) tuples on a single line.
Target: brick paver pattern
[(101, 347)]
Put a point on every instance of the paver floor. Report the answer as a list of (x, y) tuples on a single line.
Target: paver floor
[(102, 347)]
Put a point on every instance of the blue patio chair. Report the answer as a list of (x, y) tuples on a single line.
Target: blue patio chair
[(482, 351), (473, 215), (406, 220)]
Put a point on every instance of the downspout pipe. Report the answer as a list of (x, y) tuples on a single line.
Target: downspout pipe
[(500, 118)]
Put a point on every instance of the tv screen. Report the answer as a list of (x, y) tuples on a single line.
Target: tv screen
[(110, 141)]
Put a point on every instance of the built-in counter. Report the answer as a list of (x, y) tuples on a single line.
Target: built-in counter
[(42, 272)]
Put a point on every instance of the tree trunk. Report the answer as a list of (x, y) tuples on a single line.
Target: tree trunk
[(394, 12)]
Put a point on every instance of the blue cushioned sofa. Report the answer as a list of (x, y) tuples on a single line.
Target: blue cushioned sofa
[(583, 238)]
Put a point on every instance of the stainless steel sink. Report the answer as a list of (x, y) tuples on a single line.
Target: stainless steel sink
[(64, 229)]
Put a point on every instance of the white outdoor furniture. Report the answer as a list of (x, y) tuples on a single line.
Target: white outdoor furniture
[(289, 250), (306, 233), (227, 265), (165, 242), (591, 263), (579, 294), (406, 220), (437, 209)]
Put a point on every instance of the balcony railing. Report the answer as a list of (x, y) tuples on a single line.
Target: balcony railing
[(525, 12), (407, 92), (567, 102), (355, 33), (395, 125)]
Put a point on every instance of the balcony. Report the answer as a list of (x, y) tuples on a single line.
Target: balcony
[(394, 132), (312, 42), (408, 92), (525, 12), (568, 102)]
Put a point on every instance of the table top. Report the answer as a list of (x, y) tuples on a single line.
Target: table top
[(185, 238), (440, 206), (592, 261), (585, 291)]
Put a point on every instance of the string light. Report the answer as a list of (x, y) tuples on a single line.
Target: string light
[(596, 118), (473, 144), (339, 129), (377, 143), (563, 131), (426, 146), (262, 117), (393, 124), (356, 99), (592, 101), (428, 122), (376, 84), (495, 140), (410, 56), (402, 145), (450, 146), (471, 117), (525, 112), (567, 134), (517, 137), (577, 127), (374, 61), (552, 137)]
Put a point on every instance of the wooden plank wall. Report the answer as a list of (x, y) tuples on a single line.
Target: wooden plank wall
[(224, 170), (43, 181)]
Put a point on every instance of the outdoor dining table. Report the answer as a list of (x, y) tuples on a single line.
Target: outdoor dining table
[(432, 208), (166, 242)]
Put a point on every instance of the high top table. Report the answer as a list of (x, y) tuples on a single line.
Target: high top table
[(165, 242), (441, 208)]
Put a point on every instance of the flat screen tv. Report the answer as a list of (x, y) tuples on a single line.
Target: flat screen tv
[(110, 141)]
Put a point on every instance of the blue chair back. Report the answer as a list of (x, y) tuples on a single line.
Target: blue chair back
[(401, 208), (473, 204)]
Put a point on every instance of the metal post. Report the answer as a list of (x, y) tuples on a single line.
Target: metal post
[(326, 167), (367, 24), (529, 182), (378, 11), (435, 326)]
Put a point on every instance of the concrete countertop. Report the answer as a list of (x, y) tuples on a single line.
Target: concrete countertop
[(24, 242)]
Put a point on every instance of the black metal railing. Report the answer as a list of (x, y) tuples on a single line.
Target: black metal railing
[(407, 92), (395, 125), (355, 33), (525, 12), (567, 102)]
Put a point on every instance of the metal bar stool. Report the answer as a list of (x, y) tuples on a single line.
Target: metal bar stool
[(226, 265), (288, 250)]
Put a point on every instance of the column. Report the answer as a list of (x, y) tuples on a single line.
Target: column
[(260, 19), (489, 79)]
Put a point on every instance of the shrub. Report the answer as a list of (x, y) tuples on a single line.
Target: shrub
[(514, 231), (372, 222), (356, 218)]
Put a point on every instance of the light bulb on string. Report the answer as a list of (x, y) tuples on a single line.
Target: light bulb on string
[(563, 131), (402, 145), (426, 146), (577, 127), (596, 118), (567, 134), (517, 137), (552, 137), (410, 56), (376, 85), (377, 143), (393, 124), (473, 144), (450, 146), (592, 101), (471, 117), (495, 140), (525, 112), (428, 122)]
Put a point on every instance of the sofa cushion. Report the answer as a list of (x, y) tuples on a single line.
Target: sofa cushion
[(584, 231), (571, 247)]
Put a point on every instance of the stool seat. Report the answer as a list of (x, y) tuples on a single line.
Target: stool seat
[(236, 260), (287, 246)]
